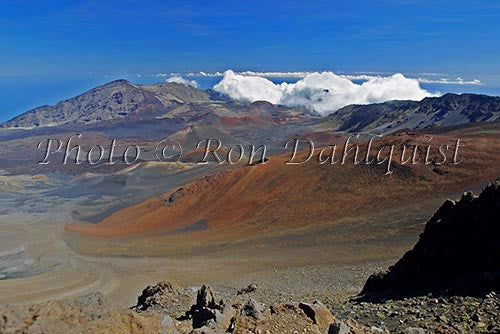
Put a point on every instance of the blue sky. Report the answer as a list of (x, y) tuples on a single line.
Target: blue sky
[(89, 41)]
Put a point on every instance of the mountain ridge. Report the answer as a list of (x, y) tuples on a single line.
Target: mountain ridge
[(121, 100), (446, 110), (118, 99)]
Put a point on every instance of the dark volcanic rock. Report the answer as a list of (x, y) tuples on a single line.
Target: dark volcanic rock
[(206, 308), (458, 252)]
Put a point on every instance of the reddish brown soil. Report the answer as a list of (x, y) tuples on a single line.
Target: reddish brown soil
[(247, 121), (262, 199)]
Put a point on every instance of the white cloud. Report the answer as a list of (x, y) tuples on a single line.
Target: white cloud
[(323, 92), (446, 81), (362, 76), (180, 80), (205, 74), (252, 74), (163, 75)]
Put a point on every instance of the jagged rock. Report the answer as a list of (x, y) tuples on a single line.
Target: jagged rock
[(458, 251), (166, 297), (206, 308), (248, 289), (206, 298), (150, 296), (319, 314), (252, 309)]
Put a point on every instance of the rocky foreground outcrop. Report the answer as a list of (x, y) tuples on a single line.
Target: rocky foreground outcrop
[(200, 311), (242, 314), (458, 252)]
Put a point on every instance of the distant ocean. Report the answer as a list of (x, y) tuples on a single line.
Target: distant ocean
[(19, 94)]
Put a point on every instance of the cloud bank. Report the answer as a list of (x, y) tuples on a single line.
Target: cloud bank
[(446, 81), (323, 93), (420, 77), (180, 80)]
